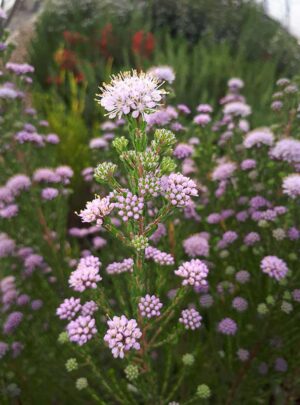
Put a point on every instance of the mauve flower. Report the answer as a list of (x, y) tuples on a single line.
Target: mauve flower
[(190, 318), (259, 137), (19, 68), (9, 211), (240, 304), (149, 306), (287, 149), (274, 267), (98, 143), (235, 83), (96, 210), (183, 109), (12, 322), (248, 164), (49, 193), (86, 274), (131, 93), (291, 185), (122, 335), (69, 308), (179, 189), (82, 329), (89, 308), (183, 150), (130, 206), (120, 267), (196, 245), (202, 119), (243, 354), (204, 108), (194, 273), (223, 171), (163, 73), (18, 183), (3, 346), (159, 257), (237, 108), (227, 326)]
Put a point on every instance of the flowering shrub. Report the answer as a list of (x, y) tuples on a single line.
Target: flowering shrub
[(176, 281)]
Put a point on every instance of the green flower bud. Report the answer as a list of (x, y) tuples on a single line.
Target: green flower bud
[(286, 307), (223, 254), (270, 300), (13, 390), (81, 383), (163, 140), (262, 309), (287, 296), (71, 364), (167, 165), (203, 391), (283, 281), (140, 242), (230, 270), (243, 248), (293, 257), (131, 372), (263, 223), (63, 338), (120, 144), (149, 160), (104, 171), (188, 359)]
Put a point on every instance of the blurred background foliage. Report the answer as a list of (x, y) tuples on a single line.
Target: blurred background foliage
[(78, 44)]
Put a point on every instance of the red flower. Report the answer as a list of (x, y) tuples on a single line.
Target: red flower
[(73, 38), (143, 43), (66, 59), (106, 39)]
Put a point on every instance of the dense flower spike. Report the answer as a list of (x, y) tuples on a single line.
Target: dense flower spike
[(190, 318), (179, 189), (150, 306), (274, 267), (96, 210), (291, 185), (69, 308), (130, 206), (122, 335), (227, 326), (196, 245), (81, 330), (162, 258), (120, 267), (131, 93), (86, 274), (194, 273)]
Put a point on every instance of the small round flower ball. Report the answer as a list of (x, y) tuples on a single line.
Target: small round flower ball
[(71, 364), (242, 277), (206, 300), (202, 119), (81, 383), (240, 304), (49, 193), (291, 185), (36, 305), (280, 365), (286, 307), (296, 295), (63, 337), (150, 306), (190, 318), (262, 309), (227, 326), (243, 354), (263, 368), (188, 359), (3, 349), (203, 391), (131, 372), (274, 267)]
